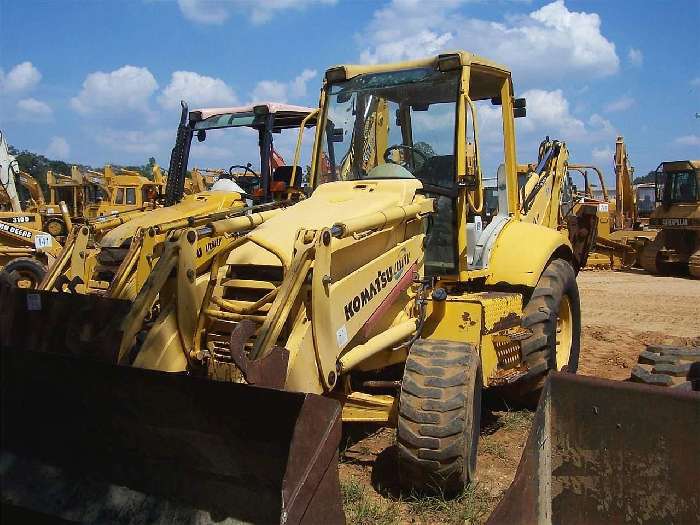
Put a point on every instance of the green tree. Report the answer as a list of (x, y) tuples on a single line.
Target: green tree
[(649, 177), (37, 166)]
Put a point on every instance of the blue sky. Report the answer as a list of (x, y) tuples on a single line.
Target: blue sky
[(99, 81)]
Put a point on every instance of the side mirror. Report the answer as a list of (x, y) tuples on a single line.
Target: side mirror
[(344, 96), (336, 135), (519, 107), (201, 135)]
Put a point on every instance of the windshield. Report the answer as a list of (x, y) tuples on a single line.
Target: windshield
[(681, 186), (245, 148), (645, 200), (391, 125), (229, 120)]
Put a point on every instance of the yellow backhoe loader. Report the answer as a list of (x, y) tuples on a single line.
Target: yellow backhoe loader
[(382, 293), (32, 239), (677, 245), (549, 198), (117, 263)]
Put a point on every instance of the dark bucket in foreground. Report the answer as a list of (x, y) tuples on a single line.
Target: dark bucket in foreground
[(608, 452), (87, 441)]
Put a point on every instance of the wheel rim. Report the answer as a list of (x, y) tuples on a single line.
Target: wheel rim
[(26, 280), (55, 228), (564, 334)]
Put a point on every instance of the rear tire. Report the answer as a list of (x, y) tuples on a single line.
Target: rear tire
[(22, 273), (553, 314), (439, 417)]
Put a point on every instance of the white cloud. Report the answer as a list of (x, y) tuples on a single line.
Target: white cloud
[(695, 82), (22, 77), (548, 112), (688, 140), (275, 91), (136, 141), (258, 11), (551, 41), (128, 87), (603, 155), (197, 90), (620, 104), (58, 148), (635, 56), (33, 110)]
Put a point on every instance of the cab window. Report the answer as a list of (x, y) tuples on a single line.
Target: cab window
[(119, 198), (131, 195)]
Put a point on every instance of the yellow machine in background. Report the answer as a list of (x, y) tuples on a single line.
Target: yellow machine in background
[(31, 240), (621, 233), (124, 191), (548, 197), (114, 255), (383, 291), (677, 246)]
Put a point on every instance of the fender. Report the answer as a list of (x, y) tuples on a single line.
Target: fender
[(525, 268)]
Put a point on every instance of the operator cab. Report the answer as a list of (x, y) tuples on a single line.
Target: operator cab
[(678, 182), (404, 124), (269, 176)]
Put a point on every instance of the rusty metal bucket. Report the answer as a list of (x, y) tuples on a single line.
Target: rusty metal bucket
[(84, 440), (608, 452)]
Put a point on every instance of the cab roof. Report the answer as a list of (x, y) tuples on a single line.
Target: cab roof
[(286, 115), (465, 58)]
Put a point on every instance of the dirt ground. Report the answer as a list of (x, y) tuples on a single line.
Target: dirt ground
[(621, 313)]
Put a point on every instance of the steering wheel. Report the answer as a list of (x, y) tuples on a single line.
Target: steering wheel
[(246, 168), (387, 154)]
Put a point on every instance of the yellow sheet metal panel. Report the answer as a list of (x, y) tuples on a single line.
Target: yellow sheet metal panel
[(513, 259), (454, 319), (501, 310)]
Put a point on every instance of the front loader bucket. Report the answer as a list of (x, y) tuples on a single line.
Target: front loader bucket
[(76, 324), (604, 451), (85, 440)]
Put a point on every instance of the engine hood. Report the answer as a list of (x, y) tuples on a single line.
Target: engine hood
[(330, 203)]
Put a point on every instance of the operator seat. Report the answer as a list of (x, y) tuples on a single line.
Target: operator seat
[(438, 170), (284, 174)]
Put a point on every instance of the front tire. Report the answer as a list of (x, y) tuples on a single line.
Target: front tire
[(553, 314), (439, 417), (23, 272)]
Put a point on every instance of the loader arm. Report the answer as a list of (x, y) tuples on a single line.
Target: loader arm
[(542, 191)]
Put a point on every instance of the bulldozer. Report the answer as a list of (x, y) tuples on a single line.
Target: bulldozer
[(379, 298), (677, 215)]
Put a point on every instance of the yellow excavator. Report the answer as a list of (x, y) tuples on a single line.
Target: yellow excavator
[(379, 298)]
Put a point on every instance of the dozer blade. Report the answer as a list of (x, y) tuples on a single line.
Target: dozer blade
[(607, 452), (84, 440)]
